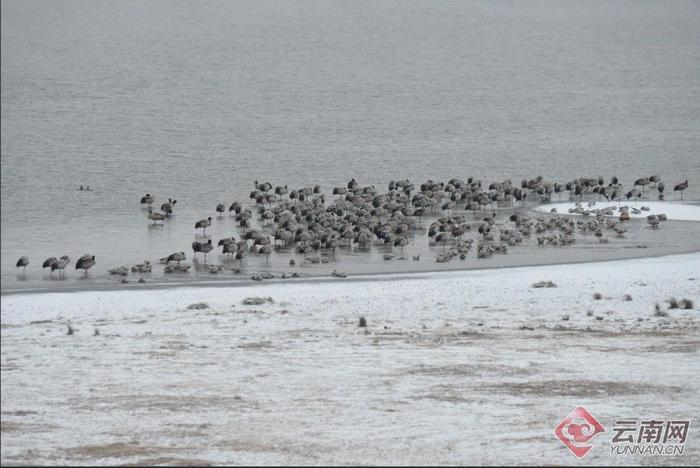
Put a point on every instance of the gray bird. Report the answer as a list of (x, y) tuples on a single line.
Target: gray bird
[(175, 257), (60, 265), (168, 207), (220, 208), (147, 200), (85, 263), (48, 263), (155, 217), (203, 224), (23, 262), (203, 247), (680, 187)]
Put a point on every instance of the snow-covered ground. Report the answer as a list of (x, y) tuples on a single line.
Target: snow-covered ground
[(676, 211), (459, 367)]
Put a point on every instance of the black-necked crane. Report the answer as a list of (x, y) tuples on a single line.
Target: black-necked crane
[(176, 257), (168, 207), (23, 262), (235, 207), (61, 265), (203, 247), (155, 217), (266, 250), (203, 224), (681, 187), (85, 262), (641, 182), (279, 190), (220, 208), (660, 187), (48, 263), (634, 193), (263, 187), (144, 267), (147, 200)]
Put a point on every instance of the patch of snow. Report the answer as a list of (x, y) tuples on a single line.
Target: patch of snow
[(674, 211)]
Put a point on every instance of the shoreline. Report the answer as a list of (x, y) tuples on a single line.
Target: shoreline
[(352, 278), (530, 257)]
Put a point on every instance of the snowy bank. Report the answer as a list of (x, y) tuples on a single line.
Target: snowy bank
[(460, 367), (675, 211)]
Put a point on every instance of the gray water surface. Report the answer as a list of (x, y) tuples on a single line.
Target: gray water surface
[(196, 100)]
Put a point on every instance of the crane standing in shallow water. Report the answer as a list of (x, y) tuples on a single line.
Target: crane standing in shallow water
[(23, 262), (168, 207), (48, 263), (680, 187), (60, 265), (220, 208), (155, 217), (203, 224), (147, 200), (203, 247), (660, 187), (85, 262)]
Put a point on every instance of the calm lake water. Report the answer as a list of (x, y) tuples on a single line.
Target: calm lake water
[(196, 100)]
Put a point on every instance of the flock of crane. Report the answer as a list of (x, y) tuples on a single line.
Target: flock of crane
[(308, 221), (84, 263)]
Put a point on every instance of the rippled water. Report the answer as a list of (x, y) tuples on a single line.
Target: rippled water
[(196, 100)]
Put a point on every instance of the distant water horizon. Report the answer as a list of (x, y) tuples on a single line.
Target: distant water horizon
[(197, 100)]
